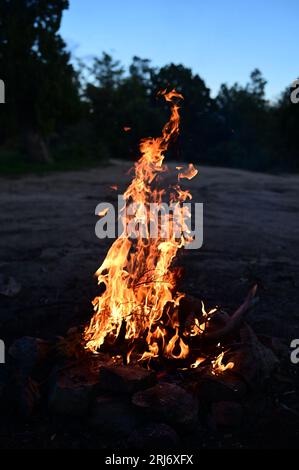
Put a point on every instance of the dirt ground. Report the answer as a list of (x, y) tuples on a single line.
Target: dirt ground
[(48, 245)]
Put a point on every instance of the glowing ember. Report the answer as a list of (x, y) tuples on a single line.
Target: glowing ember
[(189, 173), (217, 365), (198, 328)]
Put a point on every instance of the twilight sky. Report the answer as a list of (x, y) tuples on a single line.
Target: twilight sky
[(221, 40)]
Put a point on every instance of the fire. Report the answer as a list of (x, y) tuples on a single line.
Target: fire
[(140, 300), (218, 366), (197, 363), (189, 173), (199, 328)]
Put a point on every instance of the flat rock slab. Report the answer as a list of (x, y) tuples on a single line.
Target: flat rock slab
[(125, 379), (113, 417), (168, 403), (72, 390)]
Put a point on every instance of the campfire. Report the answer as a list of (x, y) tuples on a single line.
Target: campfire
[(141, 311)]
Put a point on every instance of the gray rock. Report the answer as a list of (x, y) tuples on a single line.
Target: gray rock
[(168, 403), (113, 417), (125, 379), (72, 390), (253, 361), (225, 386), (227, 414), (153, 436), (28, 352)]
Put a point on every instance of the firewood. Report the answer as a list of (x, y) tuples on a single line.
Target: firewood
[(235, 320)]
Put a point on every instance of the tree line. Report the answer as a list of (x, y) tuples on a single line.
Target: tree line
[(56, 110)]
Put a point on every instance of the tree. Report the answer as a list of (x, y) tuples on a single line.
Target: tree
[(121, 109), (247, 119), (257, 85), (198, 110), (129, 101), (41, 85), (102, 95), (285, 137)]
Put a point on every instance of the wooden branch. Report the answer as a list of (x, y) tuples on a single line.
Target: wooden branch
[(235, 320)]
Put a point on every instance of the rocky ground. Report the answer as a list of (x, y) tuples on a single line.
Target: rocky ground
[(49, 252)]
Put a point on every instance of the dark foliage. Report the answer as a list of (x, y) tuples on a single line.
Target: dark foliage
[(102, 111), (41, 88)]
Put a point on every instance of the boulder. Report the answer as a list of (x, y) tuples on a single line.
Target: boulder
[(72, 390), (113, 417), (168, 403), (253, 361), (226, 414), (226, 386), (125, 379)]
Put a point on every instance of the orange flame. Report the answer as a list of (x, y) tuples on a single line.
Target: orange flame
[(199, 328), (137, 275), (218, 366), (188, 173), (197, 363)]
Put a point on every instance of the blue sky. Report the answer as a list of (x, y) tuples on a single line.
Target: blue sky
[(221, 40)]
